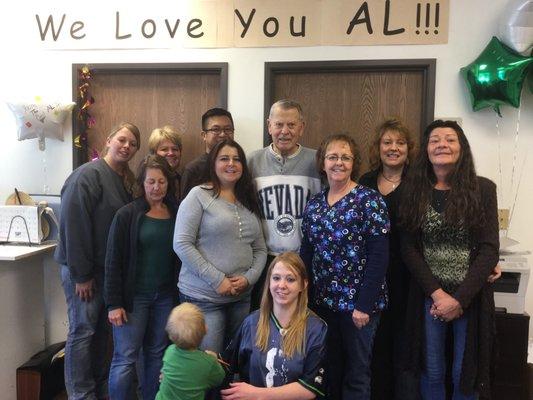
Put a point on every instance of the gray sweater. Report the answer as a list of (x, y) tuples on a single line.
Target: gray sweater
[(284, 186), (90, 197), (216, 239)]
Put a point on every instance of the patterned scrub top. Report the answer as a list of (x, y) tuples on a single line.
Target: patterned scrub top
[(338, 236)]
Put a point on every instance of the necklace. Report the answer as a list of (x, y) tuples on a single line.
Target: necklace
[(392, 181)]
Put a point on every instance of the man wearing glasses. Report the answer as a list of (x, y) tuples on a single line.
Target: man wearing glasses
[(217, 125), (285, 177)]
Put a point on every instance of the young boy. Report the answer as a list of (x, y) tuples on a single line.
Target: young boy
[(187, 372)]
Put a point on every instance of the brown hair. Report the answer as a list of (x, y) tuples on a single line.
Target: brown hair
[(395, 125), (128, 177), (186, 326), (338, 137), (294, 339), (155, 161), (244, 188)]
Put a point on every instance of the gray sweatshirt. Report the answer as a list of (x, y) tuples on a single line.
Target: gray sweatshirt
[(284, 186), (216, 239)]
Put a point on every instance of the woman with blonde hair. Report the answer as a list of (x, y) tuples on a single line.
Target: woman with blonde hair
[(279, 349), (167, 143), (90, 197)]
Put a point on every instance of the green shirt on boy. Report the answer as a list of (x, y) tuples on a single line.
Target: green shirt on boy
[(188, 374)]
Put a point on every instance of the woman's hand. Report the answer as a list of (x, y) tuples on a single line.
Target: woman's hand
[(496, 273), (117, 317), (225, 288), (239, 283), (241, 391), (445, 306), (360, 319)]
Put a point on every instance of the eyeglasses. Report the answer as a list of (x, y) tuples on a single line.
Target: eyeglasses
[(345, 158), (218, 131)]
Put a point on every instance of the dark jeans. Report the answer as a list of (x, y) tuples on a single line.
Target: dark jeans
[(86, 358), (348, 356)]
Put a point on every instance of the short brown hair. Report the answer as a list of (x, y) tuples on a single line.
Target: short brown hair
[(338, 137), (186, 326), (395, 125)]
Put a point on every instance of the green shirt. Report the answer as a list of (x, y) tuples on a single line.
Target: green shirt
[(188, 374), (155, 262)]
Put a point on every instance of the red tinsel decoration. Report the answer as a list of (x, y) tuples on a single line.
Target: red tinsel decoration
[(85, 101)]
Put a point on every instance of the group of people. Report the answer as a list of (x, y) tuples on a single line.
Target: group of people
[(298, 277)]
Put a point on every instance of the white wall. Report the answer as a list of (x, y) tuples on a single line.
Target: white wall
[(28, 70)]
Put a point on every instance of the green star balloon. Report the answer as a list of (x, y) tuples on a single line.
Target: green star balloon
[(496, 77)]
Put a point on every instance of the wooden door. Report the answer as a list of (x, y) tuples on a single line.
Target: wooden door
[(354, 97), (151, 96)]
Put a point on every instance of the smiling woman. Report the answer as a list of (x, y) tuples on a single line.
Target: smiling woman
[(90, 197), (279, 349), (450, 244), (219, 240), (344, 244)]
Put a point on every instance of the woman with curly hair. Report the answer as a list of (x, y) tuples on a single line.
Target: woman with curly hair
[(391, 152)]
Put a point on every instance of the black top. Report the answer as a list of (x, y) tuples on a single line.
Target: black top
[(195, 173), (122, 253), (398, 275)]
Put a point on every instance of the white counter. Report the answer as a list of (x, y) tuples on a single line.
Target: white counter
[(14, 252), (22, 309)]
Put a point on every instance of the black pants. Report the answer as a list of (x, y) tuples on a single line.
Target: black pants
[(257, 291)]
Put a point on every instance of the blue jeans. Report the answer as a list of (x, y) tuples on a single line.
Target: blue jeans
[(222, 320), (349, 355), (86, 365), (145, 329), (432, 380)]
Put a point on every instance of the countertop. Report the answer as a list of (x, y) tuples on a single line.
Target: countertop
[(14, 252)]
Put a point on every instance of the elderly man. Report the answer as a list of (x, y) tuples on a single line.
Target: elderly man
[(285, 177), (217, 125)]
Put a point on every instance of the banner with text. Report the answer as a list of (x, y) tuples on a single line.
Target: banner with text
[(243, 23)]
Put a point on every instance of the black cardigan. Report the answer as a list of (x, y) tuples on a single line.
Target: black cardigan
[(121, 255), (475, 295)]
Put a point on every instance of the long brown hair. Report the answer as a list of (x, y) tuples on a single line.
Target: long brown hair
[(128, 177), (294, 339), (463, 205), (244, 188)]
